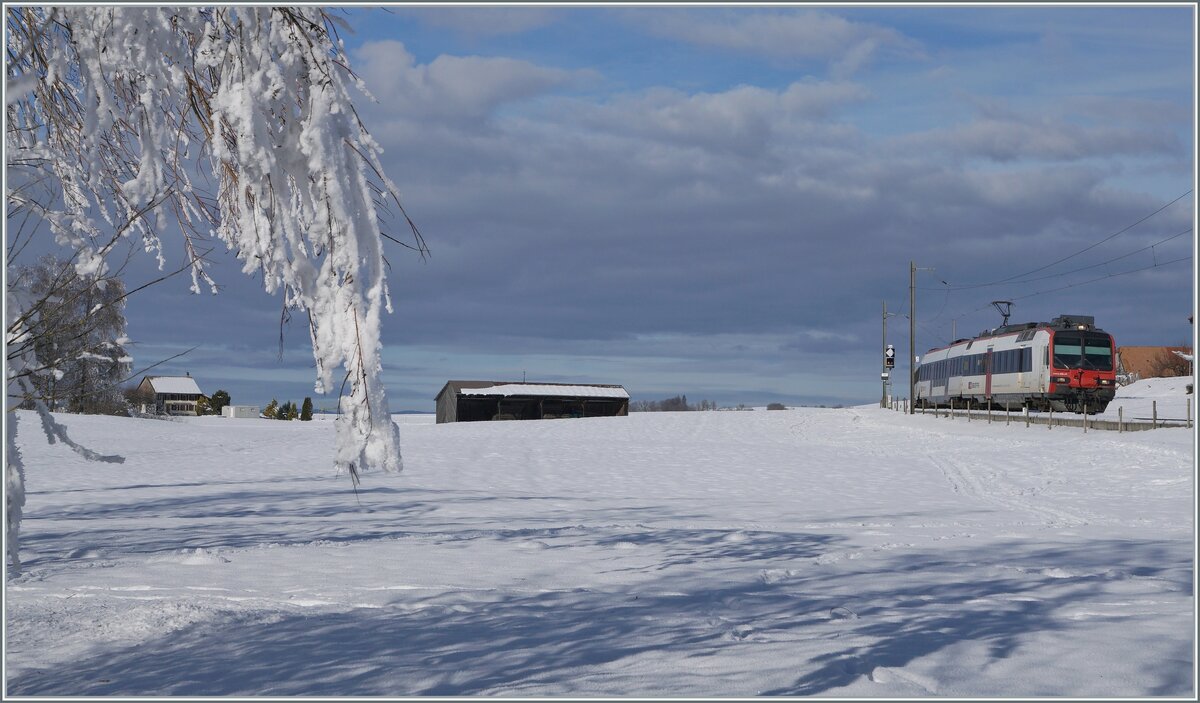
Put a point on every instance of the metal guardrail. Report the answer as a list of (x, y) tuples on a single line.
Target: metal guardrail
[(1052, 420)]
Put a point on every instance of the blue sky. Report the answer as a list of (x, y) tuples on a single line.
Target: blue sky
[(716, 201)]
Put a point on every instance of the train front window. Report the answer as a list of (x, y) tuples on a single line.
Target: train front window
[(1083, 351), (1068, 351), (1097, 354)]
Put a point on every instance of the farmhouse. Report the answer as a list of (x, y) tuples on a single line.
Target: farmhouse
[(1150, 362), (470, 401), (173, 395)]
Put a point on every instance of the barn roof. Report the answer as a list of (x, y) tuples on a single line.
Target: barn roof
[(174, 384), (570, 390), (544, 389), (1142, 360)]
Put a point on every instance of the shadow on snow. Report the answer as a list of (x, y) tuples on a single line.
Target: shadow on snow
[(581, 641)]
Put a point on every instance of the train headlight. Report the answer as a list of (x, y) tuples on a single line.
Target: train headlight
[(1060, 379), (1106, 382)]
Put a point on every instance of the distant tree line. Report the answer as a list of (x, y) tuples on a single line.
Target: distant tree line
[(289, 410), (675, 404)]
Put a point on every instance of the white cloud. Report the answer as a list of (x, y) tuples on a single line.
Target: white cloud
[(743, 120), (1002, 135), (484, 21), (462, 89), (847, 46)]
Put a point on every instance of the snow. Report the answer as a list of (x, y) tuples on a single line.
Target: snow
[(839, 552), (1141, 398), (174, 384), (535, 389)]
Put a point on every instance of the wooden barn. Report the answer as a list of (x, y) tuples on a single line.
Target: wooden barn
[(471, 401), (172, 395)]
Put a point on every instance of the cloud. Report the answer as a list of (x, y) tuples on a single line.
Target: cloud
[(846, 46), (482, 21), (1006, 139), (742, 119), (459, 89), (748, 210)]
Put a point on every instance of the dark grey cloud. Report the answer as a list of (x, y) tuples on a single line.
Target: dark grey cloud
[(746, 211)]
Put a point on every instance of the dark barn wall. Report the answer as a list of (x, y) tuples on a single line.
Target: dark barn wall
[(476, 408), (455, 406)]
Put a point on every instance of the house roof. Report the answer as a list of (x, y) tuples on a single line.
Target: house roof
[(570, 390), (174, 384), (1143, 360)]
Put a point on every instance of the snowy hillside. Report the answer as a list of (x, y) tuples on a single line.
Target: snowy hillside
[(854, 552), (1139, 398)]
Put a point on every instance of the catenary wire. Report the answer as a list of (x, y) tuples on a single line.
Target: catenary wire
[(1083, 268), (1012, 279), (1081, 283)]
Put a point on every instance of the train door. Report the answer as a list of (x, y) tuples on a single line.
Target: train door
[(987, 370)]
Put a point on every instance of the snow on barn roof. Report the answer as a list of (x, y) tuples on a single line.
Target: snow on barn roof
[(546, 389), (174, 384)]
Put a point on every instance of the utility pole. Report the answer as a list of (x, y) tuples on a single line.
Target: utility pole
[(912, 329), (912, 333)]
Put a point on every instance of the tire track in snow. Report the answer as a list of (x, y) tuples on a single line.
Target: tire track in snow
[(990, 487)]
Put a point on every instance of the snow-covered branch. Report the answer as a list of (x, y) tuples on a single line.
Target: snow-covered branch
[(117, 118)]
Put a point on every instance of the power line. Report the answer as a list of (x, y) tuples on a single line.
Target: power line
[(1065, 258), (1101, 278), (1083, 283), (1086, 268), (933, 332)]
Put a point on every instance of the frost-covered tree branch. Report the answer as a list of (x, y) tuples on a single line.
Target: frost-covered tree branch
[(232, 123)]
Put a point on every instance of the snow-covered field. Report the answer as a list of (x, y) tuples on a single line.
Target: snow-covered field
[(856, 552)]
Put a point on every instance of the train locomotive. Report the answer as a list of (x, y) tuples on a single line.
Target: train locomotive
[(1067, 365)]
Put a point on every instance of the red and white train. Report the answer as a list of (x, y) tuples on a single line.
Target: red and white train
[(1066, 365)]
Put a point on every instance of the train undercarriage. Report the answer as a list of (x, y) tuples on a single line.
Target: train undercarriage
[(1075, 400)]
